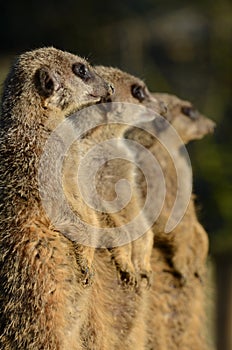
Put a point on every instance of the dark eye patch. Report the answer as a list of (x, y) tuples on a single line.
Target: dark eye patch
[(138, 92), (160, 123), (190, 112), (80, 70)]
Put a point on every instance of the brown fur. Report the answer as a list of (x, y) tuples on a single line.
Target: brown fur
[(115, 315), (117, 169), (97, 219), (189, 126), (131, 315), (42, 301), (176, 314), (174, 244)]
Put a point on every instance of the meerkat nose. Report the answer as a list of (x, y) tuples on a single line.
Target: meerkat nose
[(111, 89), (212, 125)]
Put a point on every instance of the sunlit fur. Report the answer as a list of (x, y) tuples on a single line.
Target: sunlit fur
[(170, 315), (41, 271)]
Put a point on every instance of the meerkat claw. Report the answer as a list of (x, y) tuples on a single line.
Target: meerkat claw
[(127, 279), (87, 276)]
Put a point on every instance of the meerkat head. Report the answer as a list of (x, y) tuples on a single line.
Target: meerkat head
[(188, 121), (50, 81), (129, 88)]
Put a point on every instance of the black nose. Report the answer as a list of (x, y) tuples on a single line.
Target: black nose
[(211, 126), (110, 89)]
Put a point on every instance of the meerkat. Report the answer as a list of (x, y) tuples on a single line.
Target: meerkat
[(175, 303), (112, 171), (42, 302), (123, 308), (77, 197), (178, 298), (189, 233), (190, 125), (174, 311), (132, 90), (126, 327)]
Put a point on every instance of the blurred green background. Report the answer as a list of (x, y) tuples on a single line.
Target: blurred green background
[(175, 46)]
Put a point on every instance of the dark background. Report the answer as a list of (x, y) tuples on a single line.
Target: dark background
[(175, 46)]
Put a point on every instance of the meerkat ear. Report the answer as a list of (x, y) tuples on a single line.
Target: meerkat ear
[(46, 82)]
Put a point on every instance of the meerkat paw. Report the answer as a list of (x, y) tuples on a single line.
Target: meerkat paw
[(181, 270), (186, 267), (200, 273), (145, 277), (143, 269), (144, 274), (121, 256), (126, 275), (84, 258), (183, 273)]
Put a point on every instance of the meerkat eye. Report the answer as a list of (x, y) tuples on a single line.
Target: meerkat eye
[(190, 112), (80, 70), (138, 92)]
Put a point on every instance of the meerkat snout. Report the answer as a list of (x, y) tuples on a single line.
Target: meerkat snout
[(111, 89), (212, 126), (106, 91), (109, 94), (83, 72)]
